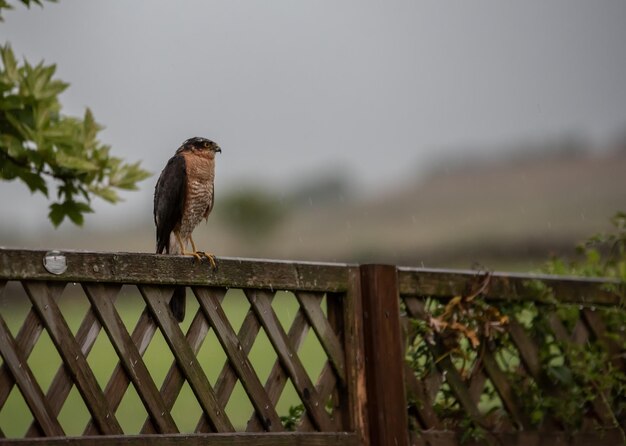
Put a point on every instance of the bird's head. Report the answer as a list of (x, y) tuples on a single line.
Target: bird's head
[(199, 145)]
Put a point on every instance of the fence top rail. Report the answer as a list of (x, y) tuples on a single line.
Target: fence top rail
[(445, 284), (135, 268)]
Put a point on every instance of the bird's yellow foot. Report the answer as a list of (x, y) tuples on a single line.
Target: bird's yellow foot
[(210, 257), (194, 254)]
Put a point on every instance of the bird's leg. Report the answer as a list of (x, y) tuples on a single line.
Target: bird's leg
[(208, 255), (187, 253)]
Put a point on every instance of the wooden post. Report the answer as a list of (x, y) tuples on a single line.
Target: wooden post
[(384, 361)]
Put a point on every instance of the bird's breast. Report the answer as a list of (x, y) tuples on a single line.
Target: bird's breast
[(199, 196)]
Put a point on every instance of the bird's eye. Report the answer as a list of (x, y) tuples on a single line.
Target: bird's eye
[(206, 144)]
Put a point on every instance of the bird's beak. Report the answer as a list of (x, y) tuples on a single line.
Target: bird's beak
[(218, 150)]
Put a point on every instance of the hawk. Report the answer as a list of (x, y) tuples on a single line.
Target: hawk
[(183, 196)]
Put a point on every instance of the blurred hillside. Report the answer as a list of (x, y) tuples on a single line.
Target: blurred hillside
[(499, 213)]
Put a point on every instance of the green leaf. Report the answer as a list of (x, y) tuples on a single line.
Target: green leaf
[(69, 208), (56, 214), (34, 182), (75, 163), (106, 193), (9, 63), (90, 127)]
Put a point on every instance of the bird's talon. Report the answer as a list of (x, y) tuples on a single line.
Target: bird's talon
[(211, 259)]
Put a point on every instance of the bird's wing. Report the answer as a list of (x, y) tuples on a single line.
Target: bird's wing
[(169, 199)]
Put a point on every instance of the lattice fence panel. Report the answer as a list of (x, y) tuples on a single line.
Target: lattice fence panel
[(152, 359), (522, 376)]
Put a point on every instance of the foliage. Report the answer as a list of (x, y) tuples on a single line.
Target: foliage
[(603, 255), (293, 417), (576, 378), (4, 4), (38, 142), (250, 212)]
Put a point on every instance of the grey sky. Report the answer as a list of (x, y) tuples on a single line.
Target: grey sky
[(290, 89)]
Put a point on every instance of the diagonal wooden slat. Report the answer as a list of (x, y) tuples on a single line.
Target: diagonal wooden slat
[(416, 391), (529, 354), (415, 309), (227, 378), (174, 380), (290, 360), (26, 382), (310, 303), (597, 326), (118, 383), (62, 383), (99, 296), (239, 361), (326, 383), (26, 339), (504, 389), (477, 380), (580, 334), (277, 379), (157, 299), (72, 356)]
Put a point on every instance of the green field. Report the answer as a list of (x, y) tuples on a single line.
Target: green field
[(15, 417)]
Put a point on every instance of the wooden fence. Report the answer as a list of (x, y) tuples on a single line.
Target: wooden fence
[(365, 321)]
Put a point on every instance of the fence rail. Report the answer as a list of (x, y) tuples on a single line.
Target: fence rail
[(364, 323)]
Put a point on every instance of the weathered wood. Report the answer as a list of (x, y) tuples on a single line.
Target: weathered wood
[(174, 380), (477, 381), (235, 439), (23, 376), (507, 286), (325, 385), (138, 268), (62, 383), (73, 357), (277, 377), (354, 347), (416, 392), (290, 361), (228, 378), (157, 299), (100, 297), (335, 308), (310, 303), (386, 398), (134, 268), (504, 389), (529, 354), (118, 383), (426, 389), (529, 438), (238, 360), (26, 339)]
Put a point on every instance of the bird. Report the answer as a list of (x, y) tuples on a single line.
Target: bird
[(183, 197)]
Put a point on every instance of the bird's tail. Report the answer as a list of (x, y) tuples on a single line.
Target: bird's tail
[(177, 304)]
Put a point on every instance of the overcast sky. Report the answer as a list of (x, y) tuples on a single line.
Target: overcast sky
[(292, 89)]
